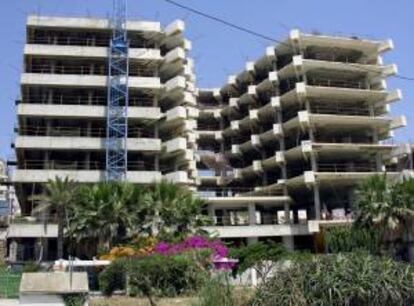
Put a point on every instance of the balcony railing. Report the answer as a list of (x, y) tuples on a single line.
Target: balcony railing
[(263, 219), (347, 167), (313, 81), (64, 99), (337, 109), (87, 41), (81, 165), (70, 131), (335, 57), (233, 192), (88, 69)]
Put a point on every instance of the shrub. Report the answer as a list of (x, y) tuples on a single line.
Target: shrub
[(257, 256), (155, 275), (31, 266), (74, 299), (165, 276), (113, 277), (216, 291), (351, 279), (351, 239)]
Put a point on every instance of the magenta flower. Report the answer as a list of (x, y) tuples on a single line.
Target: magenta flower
[(219, 251)]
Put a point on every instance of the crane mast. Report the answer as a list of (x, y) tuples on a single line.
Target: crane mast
[(117, 104)]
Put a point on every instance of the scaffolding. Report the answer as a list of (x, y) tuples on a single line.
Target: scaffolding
[(117, 131)]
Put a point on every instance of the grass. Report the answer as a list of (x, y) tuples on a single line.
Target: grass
[(9, 284), (242, 295)]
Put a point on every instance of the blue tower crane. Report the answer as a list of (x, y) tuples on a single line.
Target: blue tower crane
[(117, 110)]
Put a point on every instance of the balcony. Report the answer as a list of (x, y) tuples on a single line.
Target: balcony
[(72, 131), (88, 68)]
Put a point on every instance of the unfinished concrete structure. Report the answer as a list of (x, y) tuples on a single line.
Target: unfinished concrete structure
[(62, 111), (285, 142), (274, 151)]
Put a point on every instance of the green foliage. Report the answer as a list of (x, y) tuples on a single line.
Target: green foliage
[(112, 213), (155, 275), (351, 239), (256, 254), (58, 195), (113, 277), (165, 276), (351, 279), (379, 202), (106, 212), (74, 299), (171, 212), (216, 291), (31, 266)]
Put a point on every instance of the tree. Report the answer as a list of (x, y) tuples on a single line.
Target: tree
[(58, 195), (171, 211), (105, 212), (385, 206)]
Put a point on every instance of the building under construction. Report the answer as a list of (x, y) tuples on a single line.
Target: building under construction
[(276, 151)]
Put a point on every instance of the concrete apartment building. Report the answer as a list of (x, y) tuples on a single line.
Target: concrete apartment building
[(276, 152)]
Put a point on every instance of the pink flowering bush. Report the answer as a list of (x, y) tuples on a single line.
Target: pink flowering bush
[(218, 252)]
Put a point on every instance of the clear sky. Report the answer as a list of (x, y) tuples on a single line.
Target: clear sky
[(219, 51)]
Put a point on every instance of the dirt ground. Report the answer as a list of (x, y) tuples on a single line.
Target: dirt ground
[(128, 301)]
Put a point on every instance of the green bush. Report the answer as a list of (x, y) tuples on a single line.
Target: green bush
[(256, 255), (155, 275), (113, 277), (74, 299), (353, 279), (165, 276), (31, 266), (351, 239), (216, 291)]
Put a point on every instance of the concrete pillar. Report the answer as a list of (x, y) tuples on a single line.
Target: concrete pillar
[(13, 250), (87, 160), (252, 214), (287, 213), (378, 155), (50, 96), (90, 97), (317, 201), (288, 242), (210, 210)]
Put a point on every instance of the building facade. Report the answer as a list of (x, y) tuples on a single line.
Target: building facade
[(275, 151)]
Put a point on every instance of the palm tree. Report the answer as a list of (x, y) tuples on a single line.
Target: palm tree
[(389, 207), (171, 210), (105, 212), (58, 195)]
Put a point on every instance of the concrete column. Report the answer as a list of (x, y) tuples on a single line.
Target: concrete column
[(46, 157), (378, 155), (13, 250), (287, 213), (288, 242), (157, 162), (50, 96), (48, 127), (252, 214), (87, 160), (317, 202), (211, 212), (90, 97)]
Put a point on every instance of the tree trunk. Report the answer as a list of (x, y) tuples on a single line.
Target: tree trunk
[(60, 234)]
